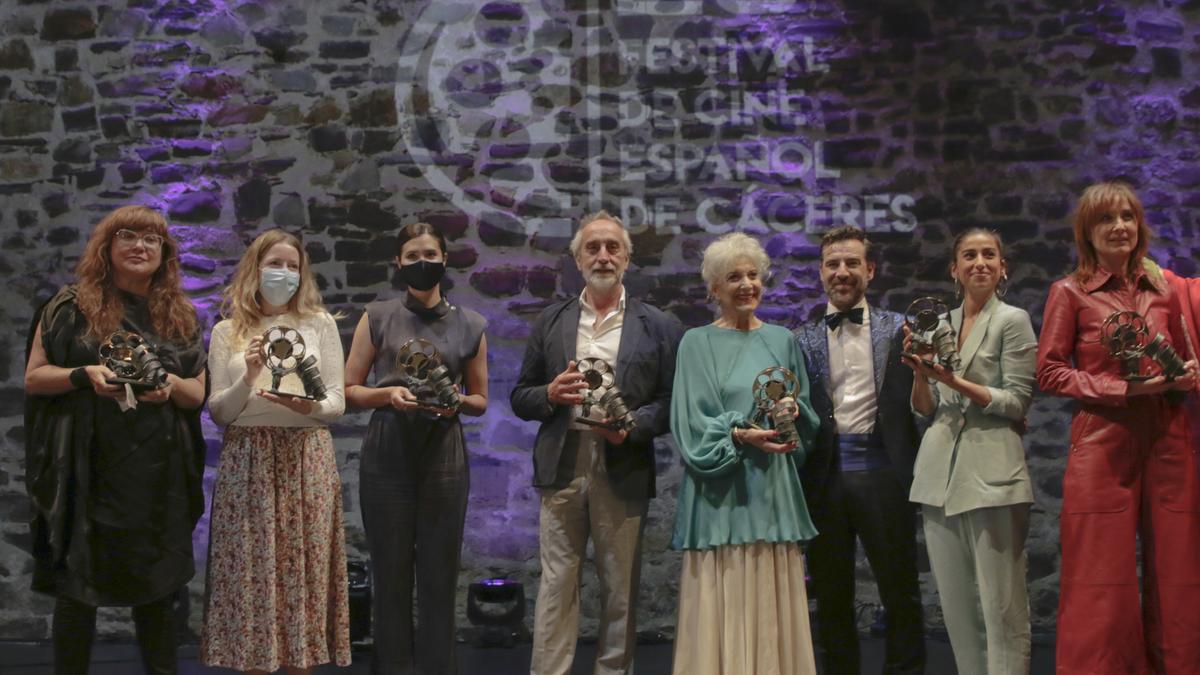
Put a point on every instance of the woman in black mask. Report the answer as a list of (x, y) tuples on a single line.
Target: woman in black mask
[(422, 352)]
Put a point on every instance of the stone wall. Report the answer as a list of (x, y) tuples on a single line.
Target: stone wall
[(502, 122)]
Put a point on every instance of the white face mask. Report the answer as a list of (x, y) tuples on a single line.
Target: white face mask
[(278, 285)]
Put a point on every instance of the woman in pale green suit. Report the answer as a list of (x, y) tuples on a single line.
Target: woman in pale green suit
[(970, 475)]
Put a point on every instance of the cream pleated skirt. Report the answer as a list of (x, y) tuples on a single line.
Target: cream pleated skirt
[(743, 610)]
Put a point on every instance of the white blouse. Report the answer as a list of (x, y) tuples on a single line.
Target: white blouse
[(233, 402)]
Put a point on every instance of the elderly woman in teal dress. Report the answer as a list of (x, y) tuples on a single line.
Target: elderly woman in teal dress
[(741, 517)]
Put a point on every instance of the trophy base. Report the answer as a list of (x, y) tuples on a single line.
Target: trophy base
[(923, 359), (1137, 378), (288, 394), (434, 407), (138, 385), (610, 426)]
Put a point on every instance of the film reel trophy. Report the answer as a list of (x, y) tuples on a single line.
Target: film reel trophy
[(1127, 337), (283, 350), (602, 403), (133, 360), (420, 365), (931, 337), (775, 391)]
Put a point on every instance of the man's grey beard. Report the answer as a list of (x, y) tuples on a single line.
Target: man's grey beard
[(602, 282)]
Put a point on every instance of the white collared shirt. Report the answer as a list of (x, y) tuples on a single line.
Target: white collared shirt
[(598, 337), (852, 373)]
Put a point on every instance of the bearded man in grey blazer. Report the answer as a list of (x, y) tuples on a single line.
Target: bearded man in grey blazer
[(594, 481)]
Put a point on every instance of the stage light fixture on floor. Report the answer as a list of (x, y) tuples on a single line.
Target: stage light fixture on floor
[(496, 609)]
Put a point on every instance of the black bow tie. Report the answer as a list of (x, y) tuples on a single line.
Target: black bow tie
[(835, 319)]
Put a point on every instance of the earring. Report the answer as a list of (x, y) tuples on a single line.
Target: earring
[(958, 289), (1002, 287)]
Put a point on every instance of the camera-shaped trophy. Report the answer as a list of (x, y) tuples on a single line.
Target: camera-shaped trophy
[(1127, 337), (602, 403), (427, 377), (775, 391), (931, 337), (133, 360), (284, 352)]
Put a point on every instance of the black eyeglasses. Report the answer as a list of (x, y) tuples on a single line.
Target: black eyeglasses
[(130, 238)]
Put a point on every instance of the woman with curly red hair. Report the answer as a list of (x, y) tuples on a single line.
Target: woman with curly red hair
[(115, 485)]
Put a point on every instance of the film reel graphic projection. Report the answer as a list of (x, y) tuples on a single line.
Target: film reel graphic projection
[(774, 392), (1127, 337), (133, 361), (494, 97), (284, 352), (602, 400), (420, 365), (486, 84), (931, 336)]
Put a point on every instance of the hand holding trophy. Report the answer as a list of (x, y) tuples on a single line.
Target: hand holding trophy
[(603, 406), (775, 391), (427, 377), (284, 353), (931, 336), (133, 361), (1127, 337)]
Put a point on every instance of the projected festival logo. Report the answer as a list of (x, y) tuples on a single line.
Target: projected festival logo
[(484, 107), (526, 114)]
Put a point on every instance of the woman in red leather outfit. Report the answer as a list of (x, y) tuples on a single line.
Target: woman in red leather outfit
[(1131, 465)]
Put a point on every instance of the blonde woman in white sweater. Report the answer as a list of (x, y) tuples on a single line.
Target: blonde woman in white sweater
[(276, 594)]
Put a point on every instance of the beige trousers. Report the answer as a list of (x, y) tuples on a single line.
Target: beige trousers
[(587, 506)]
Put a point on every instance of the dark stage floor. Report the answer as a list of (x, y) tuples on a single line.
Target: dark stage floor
[(18, 658)]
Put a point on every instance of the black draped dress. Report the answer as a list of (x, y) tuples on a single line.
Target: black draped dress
[(115, 494)]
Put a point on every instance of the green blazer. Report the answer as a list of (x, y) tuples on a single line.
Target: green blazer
[(972, 457)]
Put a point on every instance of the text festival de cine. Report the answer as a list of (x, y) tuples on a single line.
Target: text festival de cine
[(668, 159)]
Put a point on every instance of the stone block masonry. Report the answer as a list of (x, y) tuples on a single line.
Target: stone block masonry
[(503, 122)]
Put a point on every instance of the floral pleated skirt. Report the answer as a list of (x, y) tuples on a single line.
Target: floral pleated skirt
[(276, 592)]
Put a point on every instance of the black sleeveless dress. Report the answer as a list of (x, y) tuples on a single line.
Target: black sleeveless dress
[(413, 485)]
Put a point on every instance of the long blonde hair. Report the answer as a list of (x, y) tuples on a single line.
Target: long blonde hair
[(241, 301), (171, 313)]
